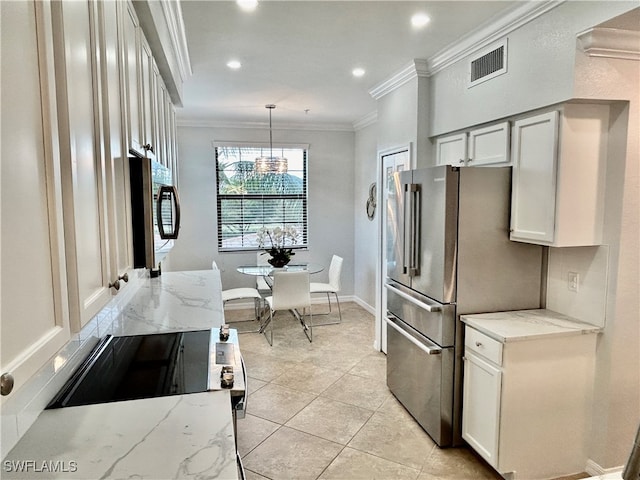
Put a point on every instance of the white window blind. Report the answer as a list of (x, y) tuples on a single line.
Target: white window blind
[(248, 200)]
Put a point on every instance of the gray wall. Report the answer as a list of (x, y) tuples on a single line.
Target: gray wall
[(541, 58), (366, 231), (331, 199)]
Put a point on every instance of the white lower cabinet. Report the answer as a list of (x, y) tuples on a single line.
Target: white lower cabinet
[(481, 420), (527, 399)]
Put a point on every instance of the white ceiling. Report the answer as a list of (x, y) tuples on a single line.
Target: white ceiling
[(299, 55)]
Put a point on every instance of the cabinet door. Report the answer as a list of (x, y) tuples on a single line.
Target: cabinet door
[(82, 160), (452, 150), (115, 149), (131, 73), (148, 92), (34, 308), (172, 140), (160, 122), (535, 157), (489, 145), (481, 407)]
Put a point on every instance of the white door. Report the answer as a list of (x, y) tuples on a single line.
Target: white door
[(391, 163)]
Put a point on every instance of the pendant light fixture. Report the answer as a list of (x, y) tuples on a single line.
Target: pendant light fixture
[(270, 164)]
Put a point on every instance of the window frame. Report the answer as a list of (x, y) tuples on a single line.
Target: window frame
[(304, 235)]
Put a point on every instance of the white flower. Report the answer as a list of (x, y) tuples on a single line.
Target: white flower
[(277, 237)]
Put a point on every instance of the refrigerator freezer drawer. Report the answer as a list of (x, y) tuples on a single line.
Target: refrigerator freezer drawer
[(420, 375), (432, 319)]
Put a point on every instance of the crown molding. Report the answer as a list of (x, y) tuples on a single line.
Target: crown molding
[(320, 127), (610, 43), (467, 45), (490, 32), (173, 15), (415, 68), (365, 121)]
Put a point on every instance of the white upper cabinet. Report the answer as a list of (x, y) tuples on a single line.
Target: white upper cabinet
[(35, 321), (93, 151), (477, 147), (131, 75), (115, 140), (452, 150), (559, 167), (489, 145), (82, 160), (148, 99)]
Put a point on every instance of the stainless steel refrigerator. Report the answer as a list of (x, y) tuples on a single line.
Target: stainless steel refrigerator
[(448, 254)]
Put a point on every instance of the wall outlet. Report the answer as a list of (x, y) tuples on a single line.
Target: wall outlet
[(573, 280)]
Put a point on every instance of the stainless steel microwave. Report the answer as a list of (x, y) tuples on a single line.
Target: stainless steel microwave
[(155, 212)]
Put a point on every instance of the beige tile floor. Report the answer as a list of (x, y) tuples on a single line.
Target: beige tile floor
[(322, 410)]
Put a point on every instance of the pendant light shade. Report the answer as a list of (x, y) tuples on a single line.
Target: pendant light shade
[(271, 164)]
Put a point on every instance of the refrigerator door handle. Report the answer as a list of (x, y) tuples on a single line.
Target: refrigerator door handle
[(415, 301), (406, 238), (425, 345), (414, 260)]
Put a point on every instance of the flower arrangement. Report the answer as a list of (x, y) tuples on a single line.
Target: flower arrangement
[(279, 239)]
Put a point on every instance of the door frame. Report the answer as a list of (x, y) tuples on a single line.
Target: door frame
[(381, 297)]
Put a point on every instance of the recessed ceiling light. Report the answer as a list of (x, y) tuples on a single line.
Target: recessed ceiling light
[(419, 20), (234, 64), (358, 72), (247, 5)]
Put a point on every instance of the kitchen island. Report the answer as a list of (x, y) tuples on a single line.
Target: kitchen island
[(178, 436)]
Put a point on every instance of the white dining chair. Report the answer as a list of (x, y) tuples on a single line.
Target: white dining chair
[(261, 284), (290, 292), (334, 285), (243, 293)]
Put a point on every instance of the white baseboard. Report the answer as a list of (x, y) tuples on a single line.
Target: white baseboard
[(594, 469)]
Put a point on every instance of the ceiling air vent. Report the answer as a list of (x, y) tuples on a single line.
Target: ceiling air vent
[(488, 64)]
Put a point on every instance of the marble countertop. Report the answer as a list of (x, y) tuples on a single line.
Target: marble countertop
[(177, 437), (171, 302), (522, 325), (180, 436)]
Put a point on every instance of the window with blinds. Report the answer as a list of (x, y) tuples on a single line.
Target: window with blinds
[(259, 188)]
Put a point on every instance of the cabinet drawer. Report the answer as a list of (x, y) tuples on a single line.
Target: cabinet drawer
[(483, 345)]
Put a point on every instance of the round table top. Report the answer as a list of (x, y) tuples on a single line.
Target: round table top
[(267, 270)]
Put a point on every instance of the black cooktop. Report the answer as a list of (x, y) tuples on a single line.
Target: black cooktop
[(139, 366)]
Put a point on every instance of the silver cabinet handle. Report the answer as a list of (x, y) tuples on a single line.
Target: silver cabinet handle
[(415, 301)]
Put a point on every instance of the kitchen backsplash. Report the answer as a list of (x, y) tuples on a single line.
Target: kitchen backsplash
[(577, 282)]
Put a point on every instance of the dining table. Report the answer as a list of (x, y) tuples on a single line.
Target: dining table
[(267, 271)]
